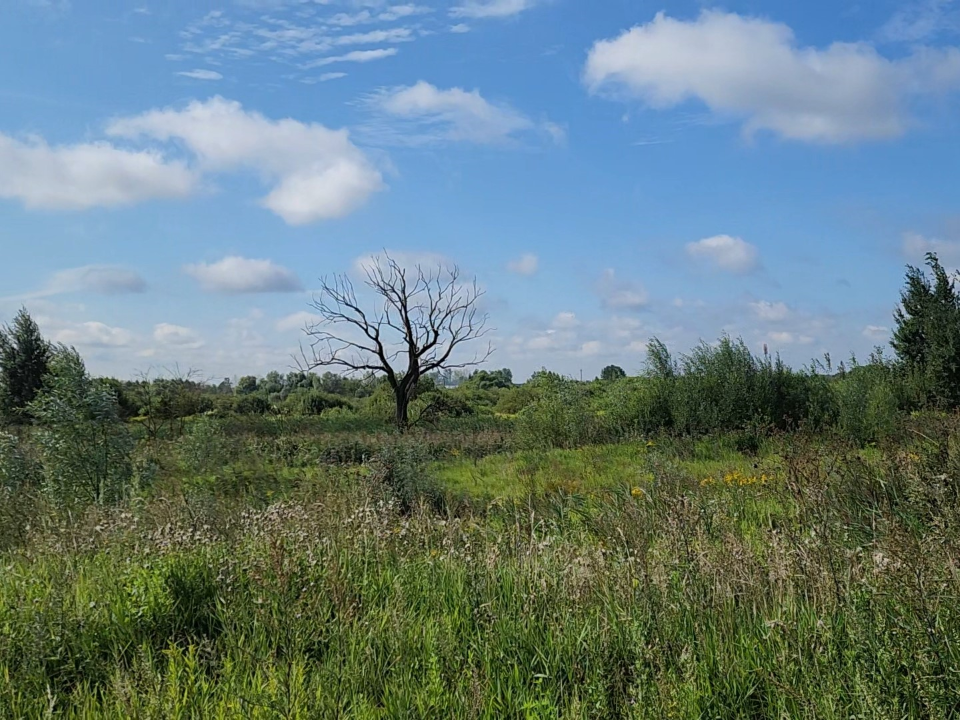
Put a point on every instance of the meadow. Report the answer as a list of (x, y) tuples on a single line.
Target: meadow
[(279, 570)]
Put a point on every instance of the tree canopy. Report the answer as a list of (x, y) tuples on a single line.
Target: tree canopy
[(24, 361)]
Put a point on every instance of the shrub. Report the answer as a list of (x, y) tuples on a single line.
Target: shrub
[(84, 447), (867, 402), (402, 470), (312, 402), (561, 417), (17, 468), (204, 449)]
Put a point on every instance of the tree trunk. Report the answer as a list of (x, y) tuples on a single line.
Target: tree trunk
[(403, 403), (404, 393)]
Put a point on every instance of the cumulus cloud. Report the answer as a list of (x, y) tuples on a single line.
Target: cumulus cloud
[(723, 252), (526, 264), (769, 311), (789, 338), (201, 74), (317, 173), (491, 8), (78, 177), (617, 294), (916, 246), (407, 260), (235, 275), (297, 321), (753, 69), (565, 321), (94, 335), (176, 335), (876, 332), (456, 115), (103, 279)]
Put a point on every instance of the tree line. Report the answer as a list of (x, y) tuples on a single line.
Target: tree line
[(712, 388)]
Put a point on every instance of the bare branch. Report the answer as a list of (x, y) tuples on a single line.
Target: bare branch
[(424, 315)]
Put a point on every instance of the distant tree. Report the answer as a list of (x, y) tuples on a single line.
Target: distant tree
[(612, 372), (225, 387), (272, 383), (926, 338), (247, 385), (24, 361), (489, 379), (85, 447), (419, 318)]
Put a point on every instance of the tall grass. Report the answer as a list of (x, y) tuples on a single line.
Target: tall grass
[(827, 591)]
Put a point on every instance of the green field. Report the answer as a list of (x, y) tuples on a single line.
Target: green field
[(653, 579)]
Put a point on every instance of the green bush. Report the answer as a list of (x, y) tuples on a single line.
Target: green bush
[(17, 467), (402, 469), (84, 447), (562, 416), (867, 402)]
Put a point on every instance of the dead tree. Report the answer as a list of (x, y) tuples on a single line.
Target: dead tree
[(412, 327)]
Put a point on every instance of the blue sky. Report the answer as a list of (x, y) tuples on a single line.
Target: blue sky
[(175, 176)]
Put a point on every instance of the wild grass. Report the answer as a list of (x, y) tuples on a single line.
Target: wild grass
[(587, 469), (829, 591)]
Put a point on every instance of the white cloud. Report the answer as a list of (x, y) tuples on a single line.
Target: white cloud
[(201, 74), (460, 28), (392, 35), (617, 294), (104, 279), (916, 247), (297, 321), (789, 338), (78, 177), (396, 12), (454, 114), (730, 254), (591, 348), (753, 69), (326, 77), (176, 335), (491, 8), (876, 332), (770, 312), (94, 335), (428, 261), (565, 321), (236, 275), (318, 173), (526, 264), (922, 20), (356, 56)]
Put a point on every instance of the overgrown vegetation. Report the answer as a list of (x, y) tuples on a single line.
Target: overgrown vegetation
[(722, 536)]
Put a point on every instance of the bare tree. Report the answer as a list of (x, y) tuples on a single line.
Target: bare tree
[(419, 318)]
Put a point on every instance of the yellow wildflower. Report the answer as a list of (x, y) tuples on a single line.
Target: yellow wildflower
[(637, 492)]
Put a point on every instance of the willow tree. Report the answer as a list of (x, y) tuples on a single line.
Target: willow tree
[(414, 322)]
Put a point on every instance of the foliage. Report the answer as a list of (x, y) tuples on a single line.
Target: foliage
[(84, 447), (24, 361), (820, 585), (612, 372), (867, 402), (927, 334), (17, 467), (562, 416)]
